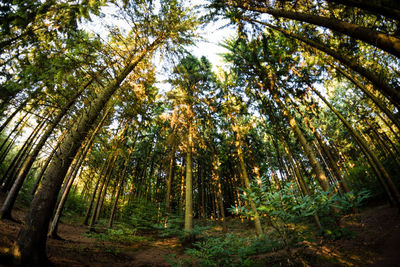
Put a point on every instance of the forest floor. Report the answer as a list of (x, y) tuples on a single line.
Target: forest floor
[(375, 242)]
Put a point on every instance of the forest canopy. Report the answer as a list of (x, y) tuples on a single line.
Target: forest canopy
[(107, 115)]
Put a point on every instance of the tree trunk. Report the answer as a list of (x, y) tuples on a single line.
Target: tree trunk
[(54, 224), (48, 160), (188, 190), (119, 188), (244, 175), (326, 150), (169, 181), (216, 178), (103, 192), (89, 209), (21, 120)]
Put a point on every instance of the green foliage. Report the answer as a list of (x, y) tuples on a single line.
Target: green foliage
[(285, 209), (122, 235), (74, 204), (227, 250), (174, 228), (141, 214)]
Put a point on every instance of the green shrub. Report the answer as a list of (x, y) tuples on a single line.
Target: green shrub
[(141, 214), (284, 209), (123, 235), (228, 250)]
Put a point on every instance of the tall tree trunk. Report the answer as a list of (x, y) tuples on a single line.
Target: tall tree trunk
[(189, 189), (182, 189), (103, 192), (69, 181), (20, 108), (15, 129), (169, 181), (49, 158), (326, 150), (244, 175), (54, 224), (119, 188), (217, 180), (89, 209), (382, 106)]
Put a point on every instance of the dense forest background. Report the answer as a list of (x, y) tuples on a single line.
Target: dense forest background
[(298, 130)]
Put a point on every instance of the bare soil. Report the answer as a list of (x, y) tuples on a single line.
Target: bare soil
[(375, 242)]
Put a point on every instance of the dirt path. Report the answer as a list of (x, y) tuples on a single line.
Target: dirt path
[(389, 248)]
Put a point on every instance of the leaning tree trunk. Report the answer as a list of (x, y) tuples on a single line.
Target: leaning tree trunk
[(48, 160), (378, 39), (24, 170), (317, 168), (381, 84), (244, 175), (382, 106), (387, 179), (70, 180), (54, 224), (17, 132), (326, 150), (387, 8), (8, 176), (30, 247), (19, 108)]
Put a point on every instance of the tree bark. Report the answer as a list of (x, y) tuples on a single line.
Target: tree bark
[(48, 160), (188, 190), (119, 188), (169, 181)]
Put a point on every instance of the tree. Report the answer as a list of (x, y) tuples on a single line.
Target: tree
[(30, 246)]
